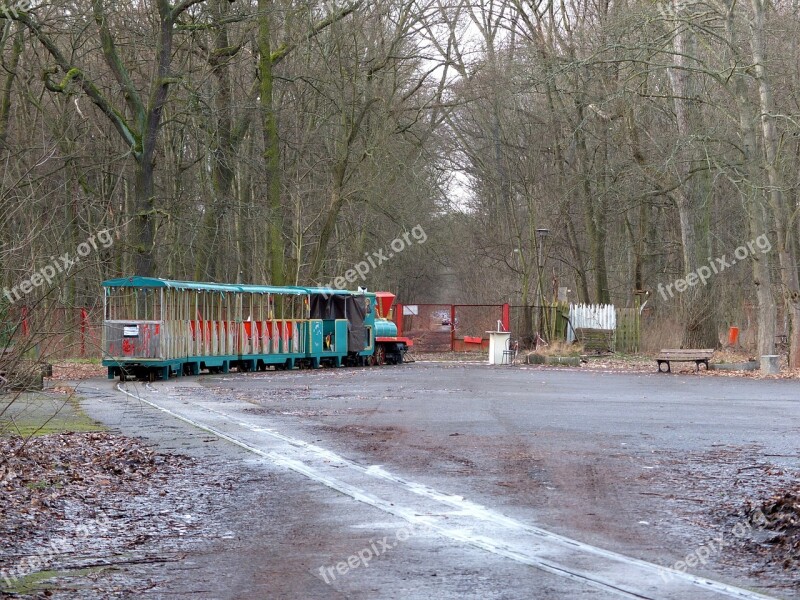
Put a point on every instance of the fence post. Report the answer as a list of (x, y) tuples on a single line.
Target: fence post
[(84, 319), (560, 319), (452, 328), (398, 318)]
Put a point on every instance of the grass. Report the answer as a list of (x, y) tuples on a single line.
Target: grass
[(78, 361), (36, 414), (624, 357), (41, 485), (560, 348), (36, 582)]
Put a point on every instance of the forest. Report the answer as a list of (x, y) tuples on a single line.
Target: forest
[(622, 151)]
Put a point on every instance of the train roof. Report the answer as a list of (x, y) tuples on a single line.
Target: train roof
[(154, 282)]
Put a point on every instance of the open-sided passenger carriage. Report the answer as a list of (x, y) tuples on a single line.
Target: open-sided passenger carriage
[(157, 327)]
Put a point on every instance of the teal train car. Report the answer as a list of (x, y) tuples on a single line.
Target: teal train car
[(160, 328)]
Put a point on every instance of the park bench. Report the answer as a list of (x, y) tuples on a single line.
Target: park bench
[(698, 357)]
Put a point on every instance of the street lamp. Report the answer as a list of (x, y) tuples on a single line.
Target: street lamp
[(540, 235)]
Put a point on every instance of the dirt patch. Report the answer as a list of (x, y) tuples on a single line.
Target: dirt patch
[(77, 509), (282, 412), (77, 370), (266, 396), (732, 498), (374, 435), (776, 523), (615, 497)]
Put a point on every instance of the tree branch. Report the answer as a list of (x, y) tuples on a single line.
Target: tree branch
[(114, 62), (182, 7), (318, 28), (127, 132)]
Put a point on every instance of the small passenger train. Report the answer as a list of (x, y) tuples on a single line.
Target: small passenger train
[(157, 327)]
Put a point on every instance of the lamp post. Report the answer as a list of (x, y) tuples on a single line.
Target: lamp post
[(541, 234)]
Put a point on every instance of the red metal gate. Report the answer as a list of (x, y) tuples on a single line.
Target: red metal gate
[(450, 327), (428, 325), (54, 332)]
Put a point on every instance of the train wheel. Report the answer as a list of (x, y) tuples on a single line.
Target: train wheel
[(380, 355)]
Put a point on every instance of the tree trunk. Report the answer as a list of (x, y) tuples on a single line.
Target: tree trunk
[(581, 281), (780, 210), (223, 155), (331, 217), (698, 302), (144, 232), (594, 216), (11, 74), (275, 245), (752, 189), (777, 200)]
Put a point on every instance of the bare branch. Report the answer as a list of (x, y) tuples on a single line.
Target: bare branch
[(318, 28)]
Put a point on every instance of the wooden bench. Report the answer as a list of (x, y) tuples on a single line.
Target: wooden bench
[(698, 357)]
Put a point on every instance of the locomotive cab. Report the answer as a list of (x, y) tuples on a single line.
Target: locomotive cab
[(390, 348)]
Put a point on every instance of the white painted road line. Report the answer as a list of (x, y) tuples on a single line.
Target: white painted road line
[(450, 516)]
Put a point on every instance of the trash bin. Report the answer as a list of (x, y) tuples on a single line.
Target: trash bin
[(498, 343), (770, 364)]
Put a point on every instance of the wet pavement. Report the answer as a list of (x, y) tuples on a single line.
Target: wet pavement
[(467, 481)]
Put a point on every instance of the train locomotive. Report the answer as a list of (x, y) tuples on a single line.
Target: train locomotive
[(160, 328)]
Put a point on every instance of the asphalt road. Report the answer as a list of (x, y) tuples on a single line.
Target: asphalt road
[(472, 481)]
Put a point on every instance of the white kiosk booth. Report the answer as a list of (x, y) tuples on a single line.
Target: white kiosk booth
[(498, 344)]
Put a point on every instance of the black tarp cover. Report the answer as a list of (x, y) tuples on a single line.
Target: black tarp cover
[(356, 332), (352, 308), (328, 307)]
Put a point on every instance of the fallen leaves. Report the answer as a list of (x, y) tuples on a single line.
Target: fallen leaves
[(75, 371), (777, 520), (76, 501), (40, 472)]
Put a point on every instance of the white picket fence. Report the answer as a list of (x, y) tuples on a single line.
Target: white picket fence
[(591, 316)]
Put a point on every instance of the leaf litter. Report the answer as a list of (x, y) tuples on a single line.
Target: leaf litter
[(79, 511)]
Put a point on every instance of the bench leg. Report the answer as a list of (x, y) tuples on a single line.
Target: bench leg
[(663, 362)]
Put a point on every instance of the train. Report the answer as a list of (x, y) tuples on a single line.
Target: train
[(158, 328)]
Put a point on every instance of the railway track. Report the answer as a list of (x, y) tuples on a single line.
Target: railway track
[(447, 515)]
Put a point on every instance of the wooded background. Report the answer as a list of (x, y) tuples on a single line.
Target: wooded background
[(280, 142)]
